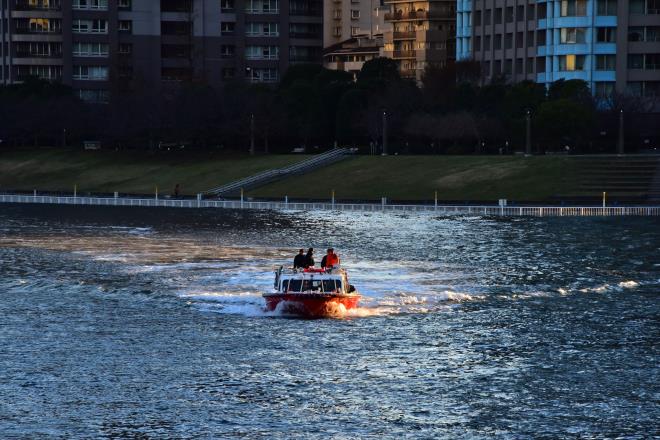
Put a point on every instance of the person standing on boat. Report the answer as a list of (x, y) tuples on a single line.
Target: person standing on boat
[(300, 260), (330, 259), (309, 258)]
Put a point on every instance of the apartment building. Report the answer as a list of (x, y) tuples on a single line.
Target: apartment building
[(97, 46), (423, 32), (344, 20), (350, 55), (613, 45)]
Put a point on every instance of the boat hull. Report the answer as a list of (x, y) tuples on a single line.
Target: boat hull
[(311, 305)]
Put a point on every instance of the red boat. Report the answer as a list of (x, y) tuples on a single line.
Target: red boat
[(312, 293)]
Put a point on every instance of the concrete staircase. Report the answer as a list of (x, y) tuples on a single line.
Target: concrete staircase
[(318, 161), (624, 178)]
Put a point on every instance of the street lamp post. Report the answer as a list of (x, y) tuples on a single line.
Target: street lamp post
[(528, 137), (384, 133), (251, 134), (64, 137), (621, 134)]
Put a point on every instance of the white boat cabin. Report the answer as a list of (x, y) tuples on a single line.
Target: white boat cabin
[(312, 280)]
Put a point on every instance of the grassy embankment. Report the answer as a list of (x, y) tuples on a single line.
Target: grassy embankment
[(128, 172), (358, 178), (418, 177)]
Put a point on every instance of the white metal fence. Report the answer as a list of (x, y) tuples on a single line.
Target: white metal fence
[(538, 211)]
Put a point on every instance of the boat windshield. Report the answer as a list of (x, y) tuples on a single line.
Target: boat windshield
[(289, 285)]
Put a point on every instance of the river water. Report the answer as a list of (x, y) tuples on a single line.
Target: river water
[(149, 323)]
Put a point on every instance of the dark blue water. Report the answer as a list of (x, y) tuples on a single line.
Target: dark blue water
[(148, 323)]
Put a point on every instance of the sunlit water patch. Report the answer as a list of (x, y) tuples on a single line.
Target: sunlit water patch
[(150, 323)]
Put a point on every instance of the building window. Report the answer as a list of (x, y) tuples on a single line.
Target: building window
[(477, 18), (227, 51), (228, 73), (569, 63), (604, 89), (91, 73), (508, 41), (355, 30), (262, 52), (337, 31), (605, 62), (262, 75), (227, 5), (90, 4), (530, 12), (509, 14), (355, 14), (519, 66), (125, 48), (573, 8), (508, 67), (635, 61), (477, 43), (175, 51), (124, 4), (227, 27), (94, 96), (125, 26), (572, 35), (540, 65), (520, 13), (635, 33), (262, 6), (606, 35), (90, 49), (540, 37), (498, 16), (606, 7), (530, 66), (498, 42), (253, 29), (487, 42), (652, 61), (90, 26), (487, 15), (42, 72)]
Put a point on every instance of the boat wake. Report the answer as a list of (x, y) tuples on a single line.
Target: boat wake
[(251, 304)]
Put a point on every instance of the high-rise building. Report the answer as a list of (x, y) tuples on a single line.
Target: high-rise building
[(423, 33), (612, 45), (96, 46)]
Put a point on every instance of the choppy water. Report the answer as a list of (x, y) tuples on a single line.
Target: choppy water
[(148, 323)]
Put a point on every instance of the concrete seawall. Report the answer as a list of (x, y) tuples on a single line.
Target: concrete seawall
[(510, 211)]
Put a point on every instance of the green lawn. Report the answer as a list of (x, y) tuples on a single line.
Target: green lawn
[(418, 177), (361, 177), (128, 172)]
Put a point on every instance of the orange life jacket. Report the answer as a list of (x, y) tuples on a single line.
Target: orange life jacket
[(331, 260)]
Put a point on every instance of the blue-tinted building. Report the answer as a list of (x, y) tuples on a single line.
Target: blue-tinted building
[(613, 45)]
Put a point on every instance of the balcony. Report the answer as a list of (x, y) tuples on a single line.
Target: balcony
[(407, 73), (417, 15), (307, 12), (308, 35), (23, 54), (401, 54), (38, 31), (404, 35), (27, 5), (261, 11)]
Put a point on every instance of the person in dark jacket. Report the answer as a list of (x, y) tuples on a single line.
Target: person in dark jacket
[(309, 258), (300, 260)]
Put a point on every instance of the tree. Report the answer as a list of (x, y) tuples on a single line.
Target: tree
[(377, 72)]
